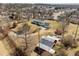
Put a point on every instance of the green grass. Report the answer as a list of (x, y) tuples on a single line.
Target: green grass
[(55, 25)]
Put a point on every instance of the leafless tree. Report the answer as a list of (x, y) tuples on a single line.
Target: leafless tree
[(76, 30)]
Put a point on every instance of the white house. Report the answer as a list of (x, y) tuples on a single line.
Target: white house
[(47, 43)]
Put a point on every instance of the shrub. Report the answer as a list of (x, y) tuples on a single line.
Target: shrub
[(68, 41), (77, 53), (61, 52)]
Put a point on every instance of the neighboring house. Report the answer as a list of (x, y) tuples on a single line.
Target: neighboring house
[(41, 23), (55, 15)]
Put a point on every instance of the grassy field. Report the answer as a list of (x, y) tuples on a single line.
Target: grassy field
[(53, 26), (34, 30)]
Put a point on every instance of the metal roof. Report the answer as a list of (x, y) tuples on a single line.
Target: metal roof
[(47, 43)]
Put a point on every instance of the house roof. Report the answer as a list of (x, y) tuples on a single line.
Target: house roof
[(47, 43)]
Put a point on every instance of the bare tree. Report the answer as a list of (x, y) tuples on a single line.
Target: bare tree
[(65, 22), (26, 28), (76, 30)]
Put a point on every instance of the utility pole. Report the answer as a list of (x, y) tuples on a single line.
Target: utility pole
[(26, 39), (39, 39), (76, 32), (39, 35)]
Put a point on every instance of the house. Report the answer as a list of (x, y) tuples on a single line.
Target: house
[(40, 23), (56, 15), (47, 43)]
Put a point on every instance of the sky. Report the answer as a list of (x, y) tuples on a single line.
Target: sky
[(41, 1)]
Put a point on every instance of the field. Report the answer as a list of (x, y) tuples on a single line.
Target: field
[(35, 34)]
